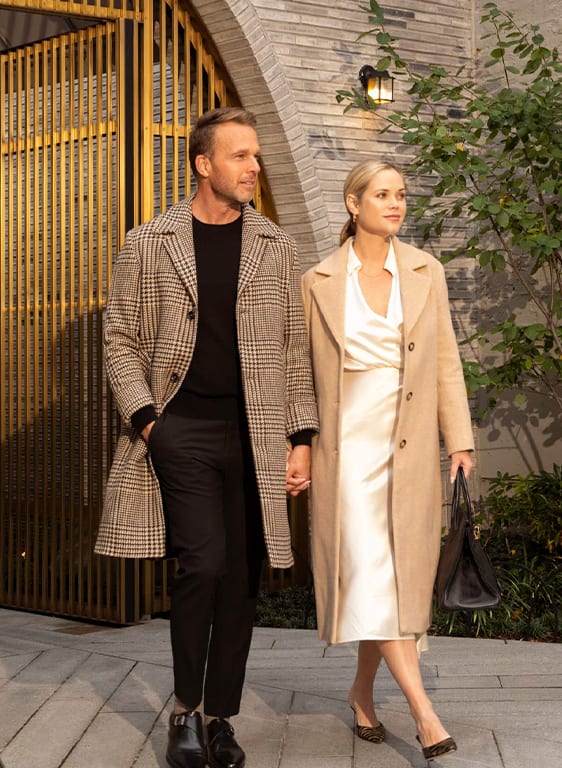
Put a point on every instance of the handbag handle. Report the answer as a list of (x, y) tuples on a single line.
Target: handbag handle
[(460, 494)]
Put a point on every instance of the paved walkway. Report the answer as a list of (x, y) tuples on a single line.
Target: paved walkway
[(83, 696)]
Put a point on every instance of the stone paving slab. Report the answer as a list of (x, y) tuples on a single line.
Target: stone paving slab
[(112, 739), (145, 689), (76, 695)]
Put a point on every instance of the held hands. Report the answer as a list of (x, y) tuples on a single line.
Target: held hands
[(298, 469), (298, 465), (460, 459)]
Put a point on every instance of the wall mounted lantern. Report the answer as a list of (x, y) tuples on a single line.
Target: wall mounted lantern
[(378, 85)]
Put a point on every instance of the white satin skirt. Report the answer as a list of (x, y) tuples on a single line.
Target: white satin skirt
[(368, 605)]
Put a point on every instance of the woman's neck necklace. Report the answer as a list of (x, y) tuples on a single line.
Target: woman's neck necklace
[(367, 274), (378, 264)]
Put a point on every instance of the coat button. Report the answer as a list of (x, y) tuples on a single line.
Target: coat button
[(174, 377), (191, 314), (411, 345), (402, 443), (409, 396)]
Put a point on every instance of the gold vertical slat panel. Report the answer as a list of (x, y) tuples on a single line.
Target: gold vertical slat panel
[(59, 211), (94, 9)]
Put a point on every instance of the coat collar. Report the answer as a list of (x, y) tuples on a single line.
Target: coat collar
[(176, 225), (330, 291), (415, 281)]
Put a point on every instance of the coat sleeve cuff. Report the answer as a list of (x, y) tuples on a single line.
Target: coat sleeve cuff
[(303, 437), (142, 417)]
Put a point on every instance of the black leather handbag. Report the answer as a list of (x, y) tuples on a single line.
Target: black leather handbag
[(466, 579)]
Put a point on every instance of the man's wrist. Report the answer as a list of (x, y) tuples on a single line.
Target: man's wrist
[(303, 437)]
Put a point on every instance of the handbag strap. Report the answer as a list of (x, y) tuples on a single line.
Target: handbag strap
[(460, 495)]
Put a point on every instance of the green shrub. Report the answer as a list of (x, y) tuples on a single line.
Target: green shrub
[(291, 608), (527, 510)]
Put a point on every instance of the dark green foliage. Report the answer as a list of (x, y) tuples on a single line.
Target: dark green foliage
[(290, 608), (527, 511)]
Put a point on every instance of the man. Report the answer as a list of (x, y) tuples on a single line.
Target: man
[(207, 358)]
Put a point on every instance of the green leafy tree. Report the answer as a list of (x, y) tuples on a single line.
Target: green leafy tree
[(493, 149)]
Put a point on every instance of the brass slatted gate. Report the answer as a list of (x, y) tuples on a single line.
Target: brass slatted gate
[(61, 192), (94, 127)]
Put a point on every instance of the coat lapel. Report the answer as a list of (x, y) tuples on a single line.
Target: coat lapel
[(255, 237), (180, 247), (329, 292), (414, 282), (176, 223)]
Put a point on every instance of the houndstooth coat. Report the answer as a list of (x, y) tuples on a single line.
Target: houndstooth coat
[(150, 333)]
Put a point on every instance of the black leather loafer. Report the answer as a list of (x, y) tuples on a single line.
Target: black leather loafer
[(224, 751), (186, 744)]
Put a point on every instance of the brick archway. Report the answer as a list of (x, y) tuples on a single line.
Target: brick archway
[(259, 79)]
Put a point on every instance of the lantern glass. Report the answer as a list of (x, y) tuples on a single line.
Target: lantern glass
[(378, 85)]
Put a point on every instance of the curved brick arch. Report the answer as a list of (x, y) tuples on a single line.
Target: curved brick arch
[(252, 65)]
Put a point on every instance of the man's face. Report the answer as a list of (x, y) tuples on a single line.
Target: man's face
[(233, 165)]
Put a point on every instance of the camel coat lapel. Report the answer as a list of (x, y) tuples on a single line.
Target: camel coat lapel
[(329, 289), (414, 282), (329, 293)]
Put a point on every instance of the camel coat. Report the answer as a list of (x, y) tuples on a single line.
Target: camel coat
[(150, 333), (433, 399)]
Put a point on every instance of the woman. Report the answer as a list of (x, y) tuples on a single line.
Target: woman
[(388, 378)]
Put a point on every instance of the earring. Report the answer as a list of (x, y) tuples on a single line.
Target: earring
[(354, 218)]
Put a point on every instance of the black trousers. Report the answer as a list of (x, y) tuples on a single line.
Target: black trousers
[(213, 522)]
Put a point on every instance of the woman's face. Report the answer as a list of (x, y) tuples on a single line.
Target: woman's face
[(382, 207)]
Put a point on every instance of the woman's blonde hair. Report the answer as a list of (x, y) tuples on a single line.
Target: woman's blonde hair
[(357, 181)]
